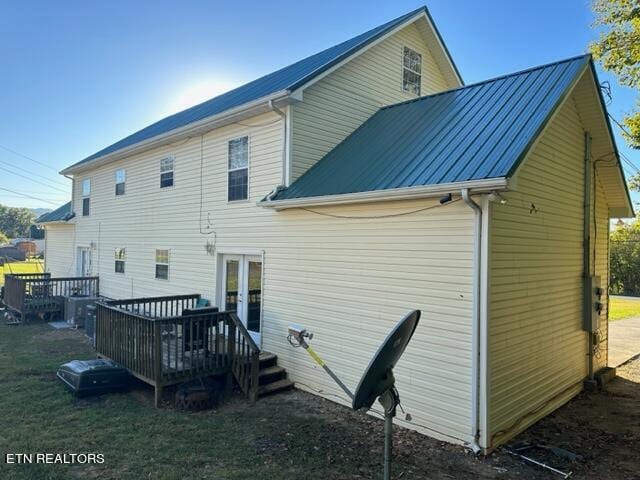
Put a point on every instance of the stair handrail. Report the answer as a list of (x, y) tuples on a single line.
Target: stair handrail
[(243, 331), (248, 380)]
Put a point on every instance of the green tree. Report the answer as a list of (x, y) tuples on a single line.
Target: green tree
[(625, 259), (15, 222), (3, 239), (618, 51)]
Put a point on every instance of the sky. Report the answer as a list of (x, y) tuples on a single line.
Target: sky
[(78, 76)]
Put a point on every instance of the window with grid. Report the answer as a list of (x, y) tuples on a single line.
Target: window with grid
[(411, 71), (86, 194), (166, 172), (162, 264), (238, 180), (119, 258), (120, 181)]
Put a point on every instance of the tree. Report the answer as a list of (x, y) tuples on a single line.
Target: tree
[(618, 51), (15, 222), (625, 259), (3, 239)]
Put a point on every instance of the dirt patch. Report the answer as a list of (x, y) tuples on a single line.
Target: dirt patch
[(603, 428)]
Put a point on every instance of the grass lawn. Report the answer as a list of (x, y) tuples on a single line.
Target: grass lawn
[(292, 435), (621, 308), (286, 436), (30, 266)]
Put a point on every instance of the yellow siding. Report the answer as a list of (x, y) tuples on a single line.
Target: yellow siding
[(339, 103), (58, 255), (537, 345), (347, 280)]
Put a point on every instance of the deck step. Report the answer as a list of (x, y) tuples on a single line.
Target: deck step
[(274, 387), (267, 359), (271, 374)]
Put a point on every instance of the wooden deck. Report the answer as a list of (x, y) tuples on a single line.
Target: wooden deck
[(29, 295), (169, 340)]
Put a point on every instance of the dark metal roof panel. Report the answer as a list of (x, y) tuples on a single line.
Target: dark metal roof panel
[(288, 78), (60, 214), (474, 132)]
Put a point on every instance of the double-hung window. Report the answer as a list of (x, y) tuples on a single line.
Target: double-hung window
[(119, 258), (166, 171), (162, 264), (238, 169), (120, 181), (411, 71), (86, 194)]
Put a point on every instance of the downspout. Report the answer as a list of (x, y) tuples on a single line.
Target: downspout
[(283, 115), (475, 321)]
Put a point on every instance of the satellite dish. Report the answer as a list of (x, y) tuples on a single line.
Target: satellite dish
[(378, 377), (378, 380)]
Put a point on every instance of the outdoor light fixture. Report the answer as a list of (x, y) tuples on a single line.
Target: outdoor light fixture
[(496, 197), (446, 199)]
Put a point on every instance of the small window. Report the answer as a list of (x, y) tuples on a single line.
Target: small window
[(162, 264), (166, 172), (120, 181), (411, 71), (238, 180), (86, 193), (119, 256)]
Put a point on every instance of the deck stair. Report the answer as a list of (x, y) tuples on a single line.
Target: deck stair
[(272, 378)]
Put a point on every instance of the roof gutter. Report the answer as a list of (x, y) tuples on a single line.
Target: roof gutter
[(261, 105), (475, 186)]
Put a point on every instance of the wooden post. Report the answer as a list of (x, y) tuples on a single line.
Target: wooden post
[(157, 368), (158, 395), (231, 348), (255, 371)]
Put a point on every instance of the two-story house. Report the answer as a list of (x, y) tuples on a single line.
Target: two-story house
[(365, 181)]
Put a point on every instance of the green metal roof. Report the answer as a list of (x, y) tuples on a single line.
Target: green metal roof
[(60, 214), (475, 132), (286, 79)]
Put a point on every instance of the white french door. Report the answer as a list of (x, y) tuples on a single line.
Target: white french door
[(242, 290), (83, 262)]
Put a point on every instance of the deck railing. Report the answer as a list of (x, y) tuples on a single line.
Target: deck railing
[(164, 341), (34, 293)]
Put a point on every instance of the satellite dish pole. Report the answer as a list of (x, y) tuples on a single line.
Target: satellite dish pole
[(378, 381)]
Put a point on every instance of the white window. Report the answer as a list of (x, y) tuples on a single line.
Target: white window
[(162, 264), (238, 179), (411, 71), (121, 176), (119, 258), (86, 193), (166, 172)]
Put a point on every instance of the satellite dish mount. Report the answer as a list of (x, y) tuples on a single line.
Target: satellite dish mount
[(378, 381)]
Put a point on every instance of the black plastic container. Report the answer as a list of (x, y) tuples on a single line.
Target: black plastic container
[(87, 377)]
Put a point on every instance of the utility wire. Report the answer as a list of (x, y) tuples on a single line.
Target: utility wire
[(49, 179), (27, 157), (28, 196), (33, 180), (390, 215)]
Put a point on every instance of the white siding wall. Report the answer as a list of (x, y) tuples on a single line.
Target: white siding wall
[(58, 255), (347, 280), (336, 105), (537, 345)]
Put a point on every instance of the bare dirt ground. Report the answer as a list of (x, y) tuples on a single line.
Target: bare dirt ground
[(287, 436)]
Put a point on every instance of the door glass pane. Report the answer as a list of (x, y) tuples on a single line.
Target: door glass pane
[(231, 286), (255, 296)]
